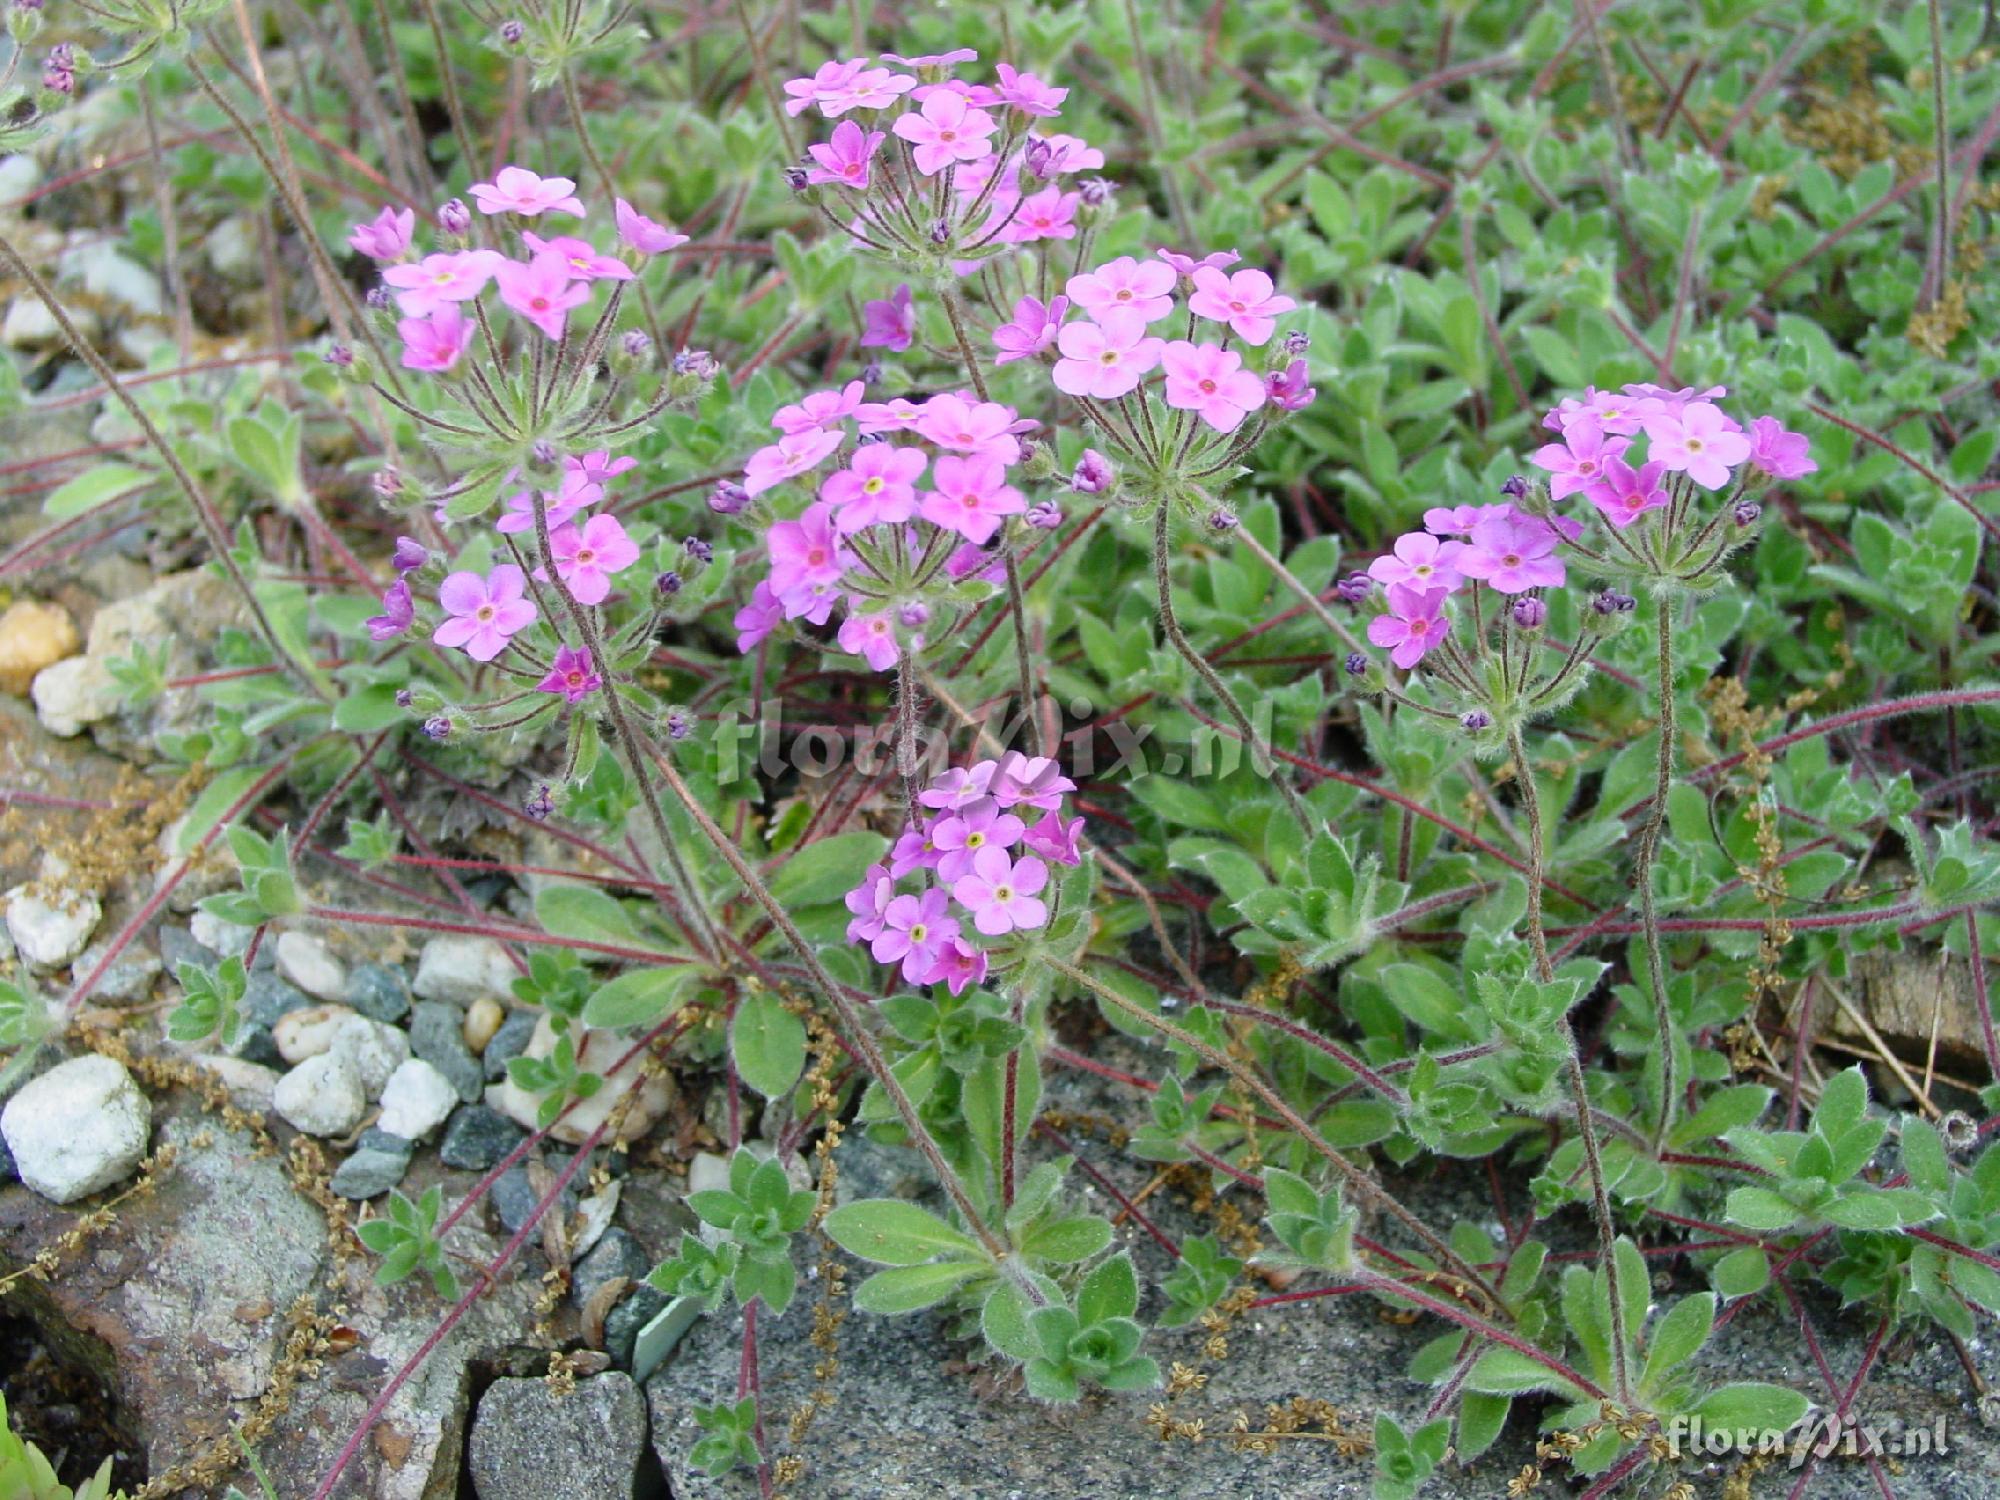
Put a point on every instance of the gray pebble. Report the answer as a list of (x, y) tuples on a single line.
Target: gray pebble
[(617, 1254), (477, 1137), (438, 1037), (379, 992), (508, 1042), (369, 1173)]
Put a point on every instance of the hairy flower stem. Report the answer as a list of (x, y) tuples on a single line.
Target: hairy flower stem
[(1359, 1181), (628, 740), (906, 732), (1297, 585), (1586, 1125), (1208, 674), (857, 1034), (1649, 849), (575, 104)]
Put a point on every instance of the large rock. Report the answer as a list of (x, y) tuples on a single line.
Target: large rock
[(530, 1444), (79, 1128)]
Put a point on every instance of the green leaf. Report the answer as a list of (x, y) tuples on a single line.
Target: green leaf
[(575, 911), (907, 1288), (826, 869), (1880, 1209), (1065, 1241), (1741, 1272), (768, 1043), (639, 997), (1759, 1209), (1110, 1291), (1680, 1334), (1004, 1321), (93, 487), (1506, 1372), (1750, 1405), (892, 1233)]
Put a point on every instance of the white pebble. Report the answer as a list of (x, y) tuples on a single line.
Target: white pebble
[(48, 934), (321, 1096), (301, 1034), (376, 1051), (79, 1128), (304, 959), (416, 1100)]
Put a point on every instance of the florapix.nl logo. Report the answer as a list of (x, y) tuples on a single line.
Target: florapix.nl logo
[(1827, 1435)]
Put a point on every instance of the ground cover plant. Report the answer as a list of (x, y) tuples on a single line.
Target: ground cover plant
[(1418, 606)]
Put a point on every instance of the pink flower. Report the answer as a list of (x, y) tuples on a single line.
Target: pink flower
[(913, 850), (588, 556), (595, 467), (1068, 153), (934, 60), (1000, 892), (1779, 453), (805, 553), (1187, 265), (1455, 520), (845, 159), (869, 901), (1615, 413), (830, 81), (916, 930), (945, 129), (1027, 93), (386, 236), (1143, 287), (959, 838), (983, 429), (1511, 554), (1419, 561), (1674, 400), (1105, 359), (1577, 462), (872, 638), (960, 965), (579, 258), (758, 618), (889, 324), (1210, 381), (437, 280), (840, 86), (898, 414), (398, 610), (641, 233), (959, 787), (577, 493), (1625, 493), (970, 560), (878, 487), (1034, 329), (541, 292), (1697, 440), (1047, 215), (788, 458), (516, 190), (572, 675), (1245, 301), (435, 343), (820, 409), (1029, 781), (1055, 838), (1414, 624), (1289, 389), (971, 497), (484, 611)]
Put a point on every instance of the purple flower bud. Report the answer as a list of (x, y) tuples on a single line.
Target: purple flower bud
[(1475, 719), (667, 584), (1530, 613), (543, 455), (915, 615), (871, 373), (404, 697), (1356, 664), (1039, 158), (511, 33), (410, 555), (1515, 487), (635, 344), (795, 179), (1094, 192), (339, 356), (378, 298), (1354, 588), (1747, 512), (940, 231), (58, 75), (1043, 515), (679, 723), (1296, 343), (438, 728), (388, 482), (1626, 604), (454, 218), (1287, 389), (728, 498), (1611, 602), (697, 362), (539, 803), (697, 549), (1093, 475), (27, 7), (1222, 520)]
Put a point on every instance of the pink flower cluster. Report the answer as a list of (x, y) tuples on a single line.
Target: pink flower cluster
[(554, 277), (940, 497), (981, 856), (1504, 548)]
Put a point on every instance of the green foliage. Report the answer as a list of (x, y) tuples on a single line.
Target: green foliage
[(209, 1002), (406, 1239)]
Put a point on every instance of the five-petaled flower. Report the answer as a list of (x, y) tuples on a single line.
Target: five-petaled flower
[(516, 190), (572, 675), (484, 611)]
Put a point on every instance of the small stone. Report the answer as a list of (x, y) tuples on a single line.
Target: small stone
[(321, 1096), (375, 1050), (379, 992), (301, 1034), (477, 1137), (33, 636), (78, 1128), (416, 1100), (306, 961), (483, 1019), (267, 1000), (375, 1138), (617, 1254), (437, 1035), (251, 1084), (177, 947), (229, 939), (369, 1173), (128, 980), (514, 1197), (49, 934), (633, 1312), (255, 1044), (599, 1051), (73, 694), (460, 970), (508, 1043), (529, 1444)]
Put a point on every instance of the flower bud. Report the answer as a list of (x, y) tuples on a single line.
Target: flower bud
[(1038, 459), (1039, 159), (1093, 474), (378, 299), (698, 550), (512, 33), (1530, 613), (454, 218), (728, 498), (1043, 515), (405, 698), (871, 373), (915, 615), (540, 803), (1094, 192), (1747, 512), (410, 555), (667, 584), (795, 179), (388, 482), (940, 231), (1356, 664), (1222, 520), (437, 727), (1515, 487), (544, 457), (1297, 342), (679, 723), (1475, 719), (339, 356), (1354, 588)]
